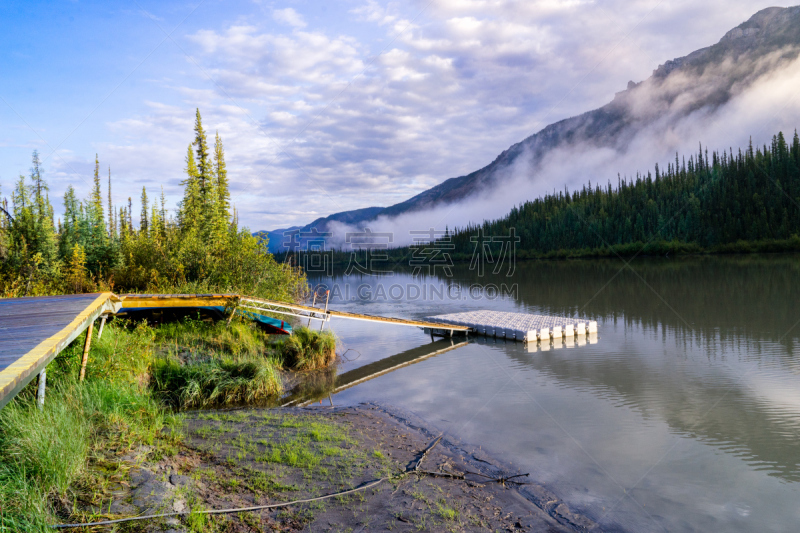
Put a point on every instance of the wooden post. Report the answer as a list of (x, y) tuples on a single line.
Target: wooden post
[(102, 324), (86, 346), (42, 385)]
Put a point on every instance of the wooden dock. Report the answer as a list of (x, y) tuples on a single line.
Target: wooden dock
[(520, 326), (33, 331), (324, 315)]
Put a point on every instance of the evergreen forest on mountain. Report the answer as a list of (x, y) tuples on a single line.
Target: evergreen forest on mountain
[(724, 202)]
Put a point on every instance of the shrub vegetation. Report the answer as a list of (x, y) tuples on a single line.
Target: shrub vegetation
[(200, 248), (307, 349)]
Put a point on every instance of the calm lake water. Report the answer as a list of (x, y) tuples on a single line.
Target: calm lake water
[(683, 416)]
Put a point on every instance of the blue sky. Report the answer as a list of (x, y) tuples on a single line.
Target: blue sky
[(322, 106)]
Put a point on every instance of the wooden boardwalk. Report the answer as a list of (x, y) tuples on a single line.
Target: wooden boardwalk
[(314, 313), (35, 330)]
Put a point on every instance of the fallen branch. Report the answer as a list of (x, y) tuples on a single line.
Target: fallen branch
[(441, 474), (502, 480), (425, 453), (462, 476)]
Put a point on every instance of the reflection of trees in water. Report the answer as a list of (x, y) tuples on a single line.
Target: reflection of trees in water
[(723, 298), (731, 309)]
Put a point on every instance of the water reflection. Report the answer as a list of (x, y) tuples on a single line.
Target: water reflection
[(723, 408), (315, 387), (691, 395)]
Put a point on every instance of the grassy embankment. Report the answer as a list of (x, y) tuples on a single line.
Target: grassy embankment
[(63, 458)]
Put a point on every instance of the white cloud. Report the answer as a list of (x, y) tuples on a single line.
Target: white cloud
[(290, 17), (399, 96)]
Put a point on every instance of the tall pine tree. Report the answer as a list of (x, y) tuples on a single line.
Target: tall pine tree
[(189, 210), (205, 179), (144, 224), (97, 245), (223, 194), (112, 229)]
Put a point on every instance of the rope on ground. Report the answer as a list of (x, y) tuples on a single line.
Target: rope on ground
[(256, 507)]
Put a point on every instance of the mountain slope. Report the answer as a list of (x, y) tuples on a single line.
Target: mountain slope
[(278, 238), (702, 81)]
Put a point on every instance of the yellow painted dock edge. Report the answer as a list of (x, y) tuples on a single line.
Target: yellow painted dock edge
[(147, 301), (22, 371)]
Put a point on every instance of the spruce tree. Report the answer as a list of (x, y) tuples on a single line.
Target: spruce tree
[(123, 223), (32, 243), (21, 196), (163, 212), (223, 194), (206, 181), (39, 186), (130, 214), (204, 168), (143, 222), (96, 200), (189, 210), (97, 244), (112, 229), (70, 229)]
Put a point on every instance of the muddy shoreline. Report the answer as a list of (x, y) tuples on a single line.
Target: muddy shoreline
[(477, 460), (258, 456)]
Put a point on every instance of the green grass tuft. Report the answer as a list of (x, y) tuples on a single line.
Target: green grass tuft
[(217, 381), (307, 349), (240, 337)]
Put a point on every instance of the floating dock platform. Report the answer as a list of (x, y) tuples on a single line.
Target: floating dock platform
[(518, 326)]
